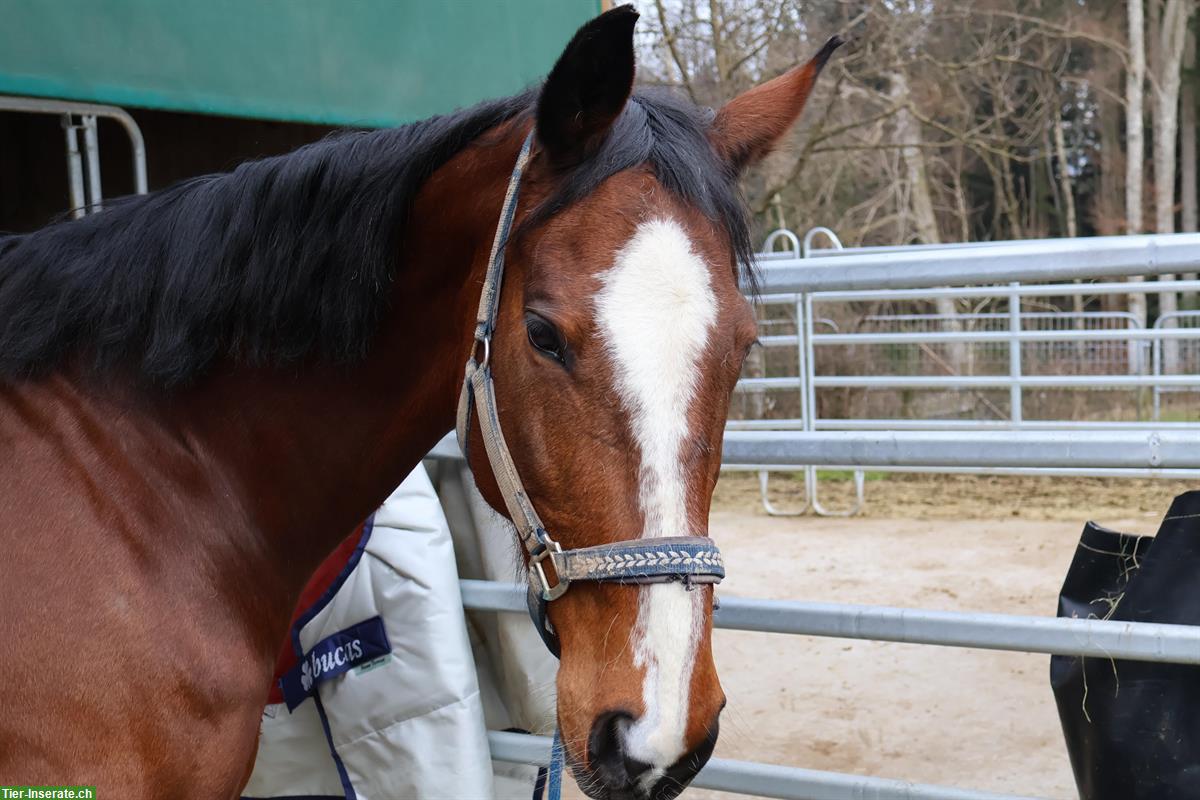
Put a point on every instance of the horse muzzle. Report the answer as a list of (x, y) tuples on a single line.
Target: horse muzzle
[(613, 775)]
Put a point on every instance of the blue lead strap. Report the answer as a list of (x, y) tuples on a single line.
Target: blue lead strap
[(557, 760)]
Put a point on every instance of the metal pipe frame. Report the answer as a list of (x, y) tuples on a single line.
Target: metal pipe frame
[(948, 424), (805, 324), (970, 382), (1026, 261), (91, 149), (38, 105), (1066, 335), (761, 780), (998, 315), (810, 476), (74, 167), (1002, 381), (981, 292), (1061, 449), (1015, 394), (1091, 638), (902, 248), (1043, 472), (805, 340), (999, 336), (1156, 354)]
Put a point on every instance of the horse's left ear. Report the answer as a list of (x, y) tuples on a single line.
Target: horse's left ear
[(749, 126), (587, 88)]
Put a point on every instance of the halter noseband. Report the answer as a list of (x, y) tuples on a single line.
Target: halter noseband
[(689, 559)]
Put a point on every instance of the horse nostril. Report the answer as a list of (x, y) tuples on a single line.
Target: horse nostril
[(622, 776), (605, 753)]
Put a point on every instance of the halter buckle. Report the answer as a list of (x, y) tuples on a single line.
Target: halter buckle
[(537, 573)]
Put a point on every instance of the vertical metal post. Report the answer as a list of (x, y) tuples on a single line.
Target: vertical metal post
[(74, 168), (1156, 359), (801, 360), (811, 479), (764, 476), (810, 393), (91, 151), (1014, 353)]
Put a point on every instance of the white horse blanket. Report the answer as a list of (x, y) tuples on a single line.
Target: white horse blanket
[(385, 696)]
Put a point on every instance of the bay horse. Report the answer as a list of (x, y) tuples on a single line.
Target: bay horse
[(203, 389)]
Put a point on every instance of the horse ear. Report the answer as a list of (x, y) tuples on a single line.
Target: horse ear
[(588, 87), (747, 128)]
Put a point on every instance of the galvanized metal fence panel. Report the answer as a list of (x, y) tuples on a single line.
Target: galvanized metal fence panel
[(762, 780), (963, 371)]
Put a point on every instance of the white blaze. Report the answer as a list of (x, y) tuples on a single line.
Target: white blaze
[(655, 310)]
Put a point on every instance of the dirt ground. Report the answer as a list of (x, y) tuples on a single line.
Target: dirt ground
[(967, 718)]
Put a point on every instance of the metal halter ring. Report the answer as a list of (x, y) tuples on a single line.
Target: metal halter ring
[(549, 549), (487, 350)]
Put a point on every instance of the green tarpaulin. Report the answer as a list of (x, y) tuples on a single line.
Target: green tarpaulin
[(343, 62)]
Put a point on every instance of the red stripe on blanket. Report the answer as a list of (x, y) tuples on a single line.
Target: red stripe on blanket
[(321, 580)]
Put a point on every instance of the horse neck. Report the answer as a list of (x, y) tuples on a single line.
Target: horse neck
[(312, 453)]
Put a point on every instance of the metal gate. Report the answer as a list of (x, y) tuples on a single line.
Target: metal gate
[(962, 364)]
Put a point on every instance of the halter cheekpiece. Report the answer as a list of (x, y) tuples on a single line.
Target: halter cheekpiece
[(688, 559)]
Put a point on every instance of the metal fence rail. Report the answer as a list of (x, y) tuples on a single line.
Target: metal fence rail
[(1133, 641), (764, 780), (970, 381), (1038, 260), (1110, 449), (1163, 448)]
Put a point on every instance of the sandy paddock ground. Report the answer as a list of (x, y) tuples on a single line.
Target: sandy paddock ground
[(968, 718)]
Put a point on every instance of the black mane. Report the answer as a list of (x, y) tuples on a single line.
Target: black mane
[(290, 257)]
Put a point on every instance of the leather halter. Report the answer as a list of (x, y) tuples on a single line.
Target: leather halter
[(688, 559)]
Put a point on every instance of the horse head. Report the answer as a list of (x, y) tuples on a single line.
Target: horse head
[(619, 333)]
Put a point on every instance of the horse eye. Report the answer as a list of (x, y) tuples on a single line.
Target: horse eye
[(545, 338)]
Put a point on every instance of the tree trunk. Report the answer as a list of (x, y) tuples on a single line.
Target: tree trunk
[(1170, 40), (1187, 151), (960, 198), (1166, 110), (1064, 177), (1055, 189), (1135, 150), (1108, 209), (720, 60), (1012, 205), (1135, 78), (1068, 201), (908, 134)]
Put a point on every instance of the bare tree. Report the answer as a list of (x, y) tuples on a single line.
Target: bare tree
[(1187, 149), (1187, 139), (1135, 121), (1064, 178), (1170, 20)]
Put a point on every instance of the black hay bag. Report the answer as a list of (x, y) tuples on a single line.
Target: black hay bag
[(1133, 727)]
